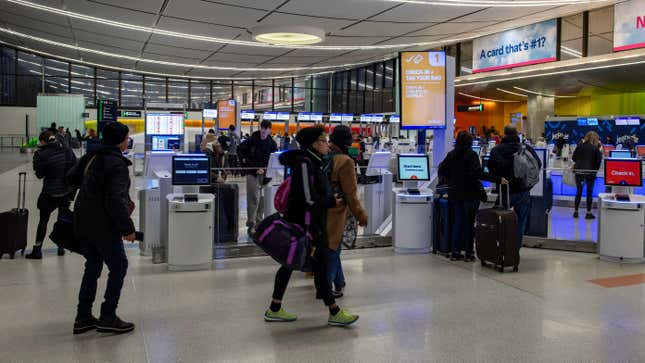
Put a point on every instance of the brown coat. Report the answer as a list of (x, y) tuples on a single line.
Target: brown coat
[(343, 174)]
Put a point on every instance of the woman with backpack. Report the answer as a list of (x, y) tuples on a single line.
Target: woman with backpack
[(309, 196), (341, 172), (463, 171), (51, 163)]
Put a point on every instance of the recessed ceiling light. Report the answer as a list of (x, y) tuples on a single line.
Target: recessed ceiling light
[(486, 99), (512, 93), (540, 93), (288, 35)]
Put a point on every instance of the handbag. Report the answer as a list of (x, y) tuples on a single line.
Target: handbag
[(287, 243), (63, 232), (569, 177), (350, 232)]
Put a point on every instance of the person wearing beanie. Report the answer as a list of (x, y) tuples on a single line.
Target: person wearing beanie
[(309, 195), (341, 171), (101, 223), (51, 163)]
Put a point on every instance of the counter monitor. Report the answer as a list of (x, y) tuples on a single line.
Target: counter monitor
[(191, 169), (620, 154)]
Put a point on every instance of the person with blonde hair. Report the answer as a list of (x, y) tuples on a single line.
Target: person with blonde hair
[(587, 158)]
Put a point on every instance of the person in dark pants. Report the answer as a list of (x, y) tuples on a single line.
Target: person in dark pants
[(587, 158), (51, 163), (309, 198), (463, 171), (101, 223), (501, 164)]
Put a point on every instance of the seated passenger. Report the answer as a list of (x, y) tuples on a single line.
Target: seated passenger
[(462, 171)]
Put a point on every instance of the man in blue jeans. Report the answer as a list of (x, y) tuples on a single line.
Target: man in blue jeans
[(501, 164), (101, 223)]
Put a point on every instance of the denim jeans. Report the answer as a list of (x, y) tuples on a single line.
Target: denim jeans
[(463, 228), (335, 273), (111, 253), (521, 203)]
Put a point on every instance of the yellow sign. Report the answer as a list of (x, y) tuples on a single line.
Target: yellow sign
[(423, 90)]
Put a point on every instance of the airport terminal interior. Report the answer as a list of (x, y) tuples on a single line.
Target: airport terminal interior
[(485, 180)]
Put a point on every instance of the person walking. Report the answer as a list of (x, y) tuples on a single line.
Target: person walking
[(462, 171), (501, 163), (587, 158), (51, 163), (342, 176), (234, 142), (254, 154), (101, 223), (309, 196)]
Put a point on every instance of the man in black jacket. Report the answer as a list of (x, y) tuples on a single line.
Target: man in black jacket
[(501, 164), (101, 223), (254, 153), (51, 163)]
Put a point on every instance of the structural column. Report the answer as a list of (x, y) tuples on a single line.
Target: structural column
[(539, 108)]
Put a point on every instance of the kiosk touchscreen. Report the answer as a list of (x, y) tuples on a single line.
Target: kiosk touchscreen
[(164, 143), (626, 173), (620, 154), (477, 149), (413, 168), (191, 169)]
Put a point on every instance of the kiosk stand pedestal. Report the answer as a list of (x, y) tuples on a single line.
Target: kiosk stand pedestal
[(412, 220), (190, 232), (621, 229)]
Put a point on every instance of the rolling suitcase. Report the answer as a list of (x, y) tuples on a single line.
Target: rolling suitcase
[(497, 235), (227, 212), (441, 227), (14, 223)]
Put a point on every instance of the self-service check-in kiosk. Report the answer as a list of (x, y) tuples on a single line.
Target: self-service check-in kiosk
[(538, 222), (621, 214), (190, 215), (412, 217), (377, 194)]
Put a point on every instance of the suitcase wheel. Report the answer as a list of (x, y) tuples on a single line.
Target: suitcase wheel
[(515, 269), (483, 263), (501, 269), (12, 255)]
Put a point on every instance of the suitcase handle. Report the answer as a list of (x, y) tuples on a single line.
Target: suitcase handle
[(500, 196), (22, 187)]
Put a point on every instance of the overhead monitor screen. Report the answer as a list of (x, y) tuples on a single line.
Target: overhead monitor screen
[(304, 116), (336, 117), (366, 118), (620, 154), (165, 143), (621, 172), (164, 124), (191, 169), (347, 117), (423, 90), (270, 116), (395, 119), (210, 113), (247, 115), (316, 116), (628, 121), (413, 167), (284, 116)]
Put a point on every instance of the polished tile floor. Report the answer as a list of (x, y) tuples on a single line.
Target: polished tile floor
[(412, 307)]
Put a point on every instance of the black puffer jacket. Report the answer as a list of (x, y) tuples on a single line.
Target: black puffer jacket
[(102, 208), (462, 171), (51, 163), (501, 162), (587, 158), (314, 195)]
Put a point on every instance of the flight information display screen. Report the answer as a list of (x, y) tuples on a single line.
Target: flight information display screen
[(164, 124)]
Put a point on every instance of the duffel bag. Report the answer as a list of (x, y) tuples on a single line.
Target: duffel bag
[(287, 243)]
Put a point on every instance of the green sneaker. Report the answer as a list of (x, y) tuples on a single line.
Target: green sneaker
[(343, 318), (279, 316)]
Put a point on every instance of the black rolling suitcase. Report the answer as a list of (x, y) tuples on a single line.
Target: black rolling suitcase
[(441, 223), (497, 235), (14, 223), (227, 198)]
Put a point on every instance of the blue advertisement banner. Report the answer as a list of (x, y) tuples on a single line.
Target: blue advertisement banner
[(531, 44)]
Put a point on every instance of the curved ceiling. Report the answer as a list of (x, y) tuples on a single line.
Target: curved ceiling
[(351, 25)]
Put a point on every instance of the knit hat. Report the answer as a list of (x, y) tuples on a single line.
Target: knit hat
[(307, 136), (114, 133), (341, 136)]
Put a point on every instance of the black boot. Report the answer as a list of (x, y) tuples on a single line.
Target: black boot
[(114, 325), (36, 253), (61, 251)]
